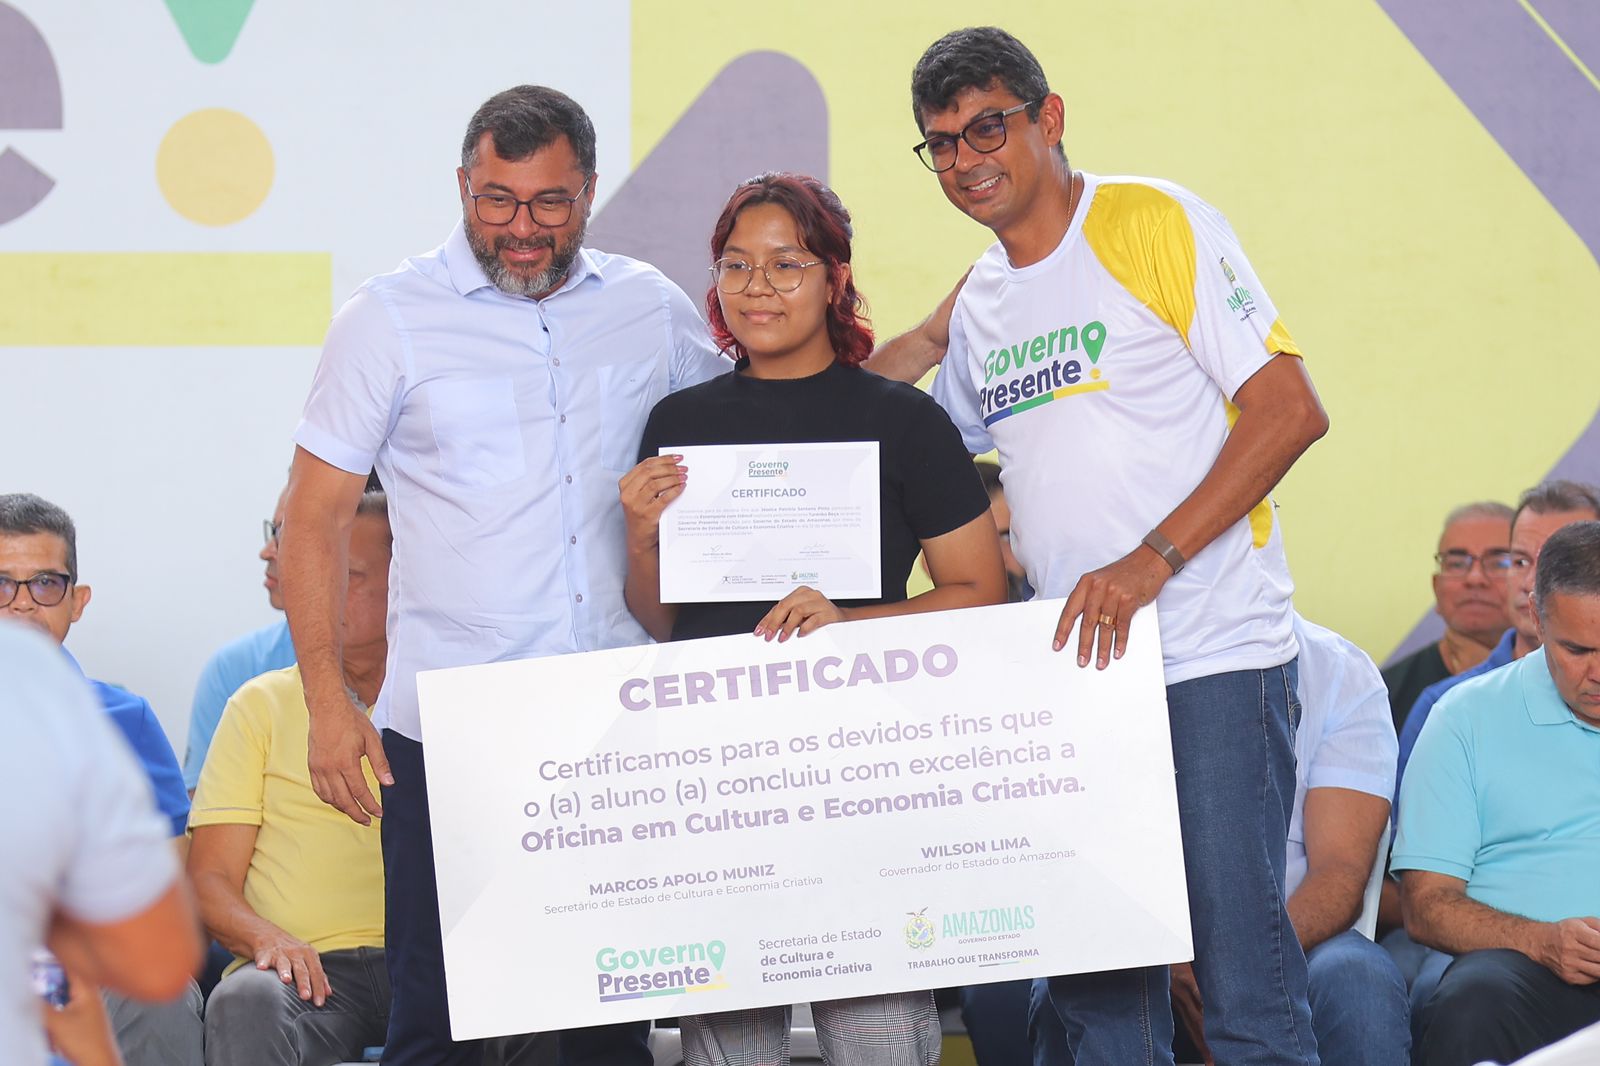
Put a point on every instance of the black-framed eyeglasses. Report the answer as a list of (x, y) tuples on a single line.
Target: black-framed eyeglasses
[(784, 273), (270, 531), (1496, 562), (985, 134), (547, 209), (47, 589)]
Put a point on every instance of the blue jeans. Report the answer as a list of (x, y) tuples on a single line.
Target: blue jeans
[(1359, 1009), (997, 1017), (1498, 1005), (1045, 1034), (419, 1016), (1233, 748), (1421, 967)]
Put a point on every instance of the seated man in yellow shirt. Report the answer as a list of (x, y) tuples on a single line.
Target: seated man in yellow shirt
[(288, 884)]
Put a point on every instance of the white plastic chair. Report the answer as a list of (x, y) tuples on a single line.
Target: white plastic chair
[(1367, 924)]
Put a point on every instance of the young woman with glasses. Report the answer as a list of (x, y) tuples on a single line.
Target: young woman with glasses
[(784, 303)]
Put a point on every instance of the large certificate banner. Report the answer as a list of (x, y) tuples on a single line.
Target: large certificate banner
[(757, 520), (880, 806)]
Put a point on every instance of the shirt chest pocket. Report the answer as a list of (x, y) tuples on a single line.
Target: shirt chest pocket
[(627, 393), (478, 431)]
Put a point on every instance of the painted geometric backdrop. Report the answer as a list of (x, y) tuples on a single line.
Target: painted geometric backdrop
[(188, 189)]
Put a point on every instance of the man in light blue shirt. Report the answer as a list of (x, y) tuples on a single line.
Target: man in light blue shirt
[(1499, 838), (39, 589), (500, 385), (1344, 775), (230, 666), (1541, 511), (87, 859)]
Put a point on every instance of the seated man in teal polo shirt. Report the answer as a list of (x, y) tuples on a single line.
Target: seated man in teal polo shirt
[(1499, 838)]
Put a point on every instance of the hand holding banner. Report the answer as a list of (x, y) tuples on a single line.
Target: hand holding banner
[(884, 805)]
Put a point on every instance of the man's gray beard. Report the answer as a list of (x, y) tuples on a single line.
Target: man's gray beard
[(530, 285)]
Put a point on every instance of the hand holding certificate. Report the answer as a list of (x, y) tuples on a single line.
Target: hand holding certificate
[(885, 805), (755, 521)]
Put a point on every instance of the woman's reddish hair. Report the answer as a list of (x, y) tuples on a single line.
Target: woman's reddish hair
[(825, 232)]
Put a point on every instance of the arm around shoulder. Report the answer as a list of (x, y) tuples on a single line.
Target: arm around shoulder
[(919, 349)]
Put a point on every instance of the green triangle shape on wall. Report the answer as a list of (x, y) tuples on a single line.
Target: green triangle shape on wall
[(210, 27)]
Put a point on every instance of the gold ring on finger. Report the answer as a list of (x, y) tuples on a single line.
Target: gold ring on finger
[(1107, 620)]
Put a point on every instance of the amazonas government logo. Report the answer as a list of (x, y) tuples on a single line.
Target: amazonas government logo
[(767, 469), (1241, 301), (659, 970), (919, 930), (1033, 372)]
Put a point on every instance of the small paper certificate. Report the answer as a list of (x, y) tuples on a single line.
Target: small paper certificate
[(757, 521)]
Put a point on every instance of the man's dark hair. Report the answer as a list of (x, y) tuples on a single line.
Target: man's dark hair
[(525, 119), (23, 513), (1569, 564), (977, 57), (1555, 496)]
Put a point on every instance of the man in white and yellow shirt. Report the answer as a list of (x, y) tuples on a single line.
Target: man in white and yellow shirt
[(1117, 349), (288, 884)]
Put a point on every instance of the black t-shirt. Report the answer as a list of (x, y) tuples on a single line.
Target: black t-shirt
[(927, 483)]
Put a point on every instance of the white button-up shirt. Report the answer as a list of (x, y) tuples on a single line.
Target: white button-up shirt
[(500, 426), (1346, 734)]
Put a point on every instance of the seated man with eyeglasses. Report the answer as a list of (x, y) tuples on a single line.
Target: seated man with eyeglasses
[(230, 666), (1499, 842), (1469, 595), (1541, 511), (258, 652), (291, 887), (39, 587)]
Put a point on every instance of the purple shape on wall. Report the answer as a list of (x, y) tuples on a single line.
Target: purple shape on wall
[(763, 111), (1577, 25), (22, 185), (30, 92), (30, 99), (1544, 113)]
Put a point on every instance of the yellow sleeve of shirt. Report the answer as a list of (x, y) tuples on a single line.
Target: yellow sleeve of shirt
[(1142, 238), (1141, 235), (233, 780)]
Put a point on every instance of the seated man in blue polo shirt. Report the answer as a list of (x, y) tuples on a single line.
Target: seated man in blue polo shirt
[(1499, 840), (1541, 511), (39, 587)]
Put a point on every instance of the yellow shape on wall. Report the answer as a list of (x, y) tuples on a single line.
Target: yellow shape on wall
[(215, 167), (165, 299), (1435, 291)]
